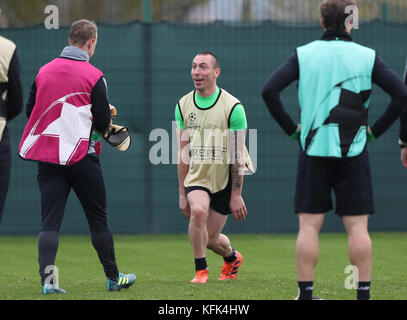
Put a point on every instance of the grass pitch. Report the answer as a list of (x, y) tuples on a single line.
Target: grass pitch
[(164, 266)]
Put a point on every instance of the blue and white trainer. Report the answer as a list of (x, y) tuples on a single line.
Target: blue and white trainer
[(124, 281), (51, 289)]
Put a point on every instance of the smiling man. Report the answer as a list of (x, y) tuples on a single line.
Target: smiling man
[(210, 188)]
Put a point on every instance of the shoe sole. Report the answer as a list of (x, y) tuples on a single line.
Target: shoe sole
[(199, 281)]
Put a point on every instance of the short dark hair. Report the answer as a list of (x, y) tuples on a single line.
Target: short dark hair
[(333, 14), (81, 31), (215, 58)]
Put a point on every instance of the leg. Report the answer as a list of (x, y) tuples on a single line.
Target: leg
[(54, 191), (312, 201), (218, 215), (360, 247), (220, 244), (217, 241), (307, 245), (355, 203), (87, 181), (198, 234), (307, 253)]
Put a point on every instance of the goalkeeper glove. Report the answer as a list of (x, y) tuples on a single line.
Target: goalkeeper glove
[(113, 111), (118, 137)]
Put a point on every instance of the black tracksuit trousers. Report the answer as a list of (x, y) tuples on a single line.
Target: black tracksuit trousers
[(55, 183)]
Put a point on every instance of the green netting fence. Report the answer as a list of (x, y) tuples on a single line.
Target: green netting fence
[(147, 67)]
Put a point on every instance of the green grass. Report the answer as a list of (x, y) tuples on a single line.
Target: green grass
[(164, 266)]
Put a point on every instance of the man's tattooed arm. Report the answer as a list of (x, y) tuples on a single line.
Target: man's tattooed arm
[(237, 169)]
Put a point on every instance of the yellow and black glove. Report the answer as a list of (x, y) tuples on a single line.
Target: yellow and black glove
[(118, 137), (113, 111)]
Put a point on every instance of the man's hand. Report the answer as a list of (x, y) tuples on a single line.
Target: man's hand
[(118, 137), (184, 205), (370, 136), (238, 207), (297, 133), (404, 157)]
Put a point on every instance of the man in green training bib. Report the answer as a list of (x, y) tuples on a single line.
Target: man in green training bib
[(210, 185), (335, 78)]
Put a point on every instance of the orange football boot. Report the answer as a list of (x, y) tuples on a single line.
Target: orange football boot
[(201, 276), (230, 269)]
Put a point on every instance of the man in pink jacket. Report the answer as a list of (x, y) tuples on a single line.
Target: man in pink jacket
[(68, 113)]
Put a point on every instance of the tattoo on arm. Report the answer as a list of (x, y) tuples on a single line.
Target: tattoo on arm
[(237, 178)]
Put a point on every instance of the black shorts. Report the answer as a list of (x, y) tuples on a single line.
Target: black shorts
[(348, 177), (220, 201)]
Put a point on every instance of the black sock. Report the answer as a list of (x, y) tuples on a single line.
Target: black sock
[(232, 256), (47, 251), (363, 290), (104, 246), (200, 264), (305, 289)]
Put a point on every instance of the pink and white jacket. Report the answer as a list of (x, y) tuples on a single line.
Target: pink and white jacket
[(60, 124)]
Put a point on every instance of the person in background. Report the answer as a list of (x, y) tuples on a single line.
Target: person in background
[(11, 104), (335, 77), (68, 112)]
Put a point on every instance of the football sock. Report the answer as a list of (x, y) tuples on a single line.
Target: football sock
[(305, 289), (47, 251), (103, 244), (232, 256), (363, 290), (200, 264)]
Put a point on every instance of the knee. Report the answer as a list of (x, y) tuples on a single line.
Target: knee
[(309, 231), (310, 224), (199, 215), (98, 223)]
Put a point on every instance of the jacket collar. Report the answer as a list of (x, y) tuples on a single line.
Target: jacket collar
[(75, 53), (336, 35)]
